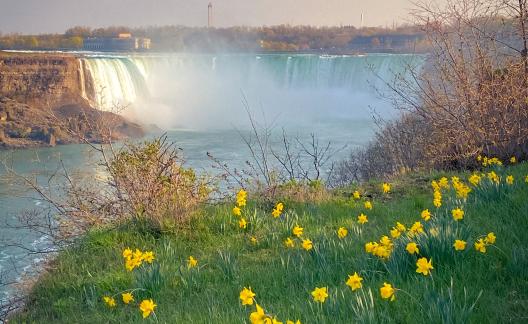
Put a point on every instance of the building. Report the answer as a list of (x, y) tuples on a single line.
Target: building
[(123, 42)]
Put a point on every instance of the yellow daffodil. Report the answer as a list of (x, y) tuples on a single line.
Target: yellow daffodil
[(526, 179), (458, 214), (435, 185), (423, 266), (382, 251), (387, 292), (134, 262), (368, 205), (237, 211), (437, 203), (474, 179), (146, 307), (426, 214), (127, 297), (354, 281), (395, 233), (385, 240), (342, 232), (320, 294), (480, 246), (247, 296), (258, 316), (241, 198), (277, 211), (400, 227), (148, 257), (443, 183), (307, 244), (509, 179), (493, 177), (490, 238), (137, 254), (356, 195), (370, 247), (297, 231), (191, 262), (292, 322), (127, 253), (459, 245), (412, 248), (253, 240), (289, 243), (386, 187), (362, 218), (242, 223), (109, 301), (416, 229), (513, 160)]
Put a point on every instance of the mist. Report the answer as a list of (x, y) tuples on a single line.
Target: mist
[(200, 92)]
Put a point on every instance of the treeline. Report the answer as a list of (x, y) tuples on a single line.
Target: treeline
[(41, 42), (274, 38)]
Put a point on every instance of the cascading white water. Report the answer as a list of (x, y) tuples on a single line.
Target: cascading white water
[(186, 90), (116, 81)]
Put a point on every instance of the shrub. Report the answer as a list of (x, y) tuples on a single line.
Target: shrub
[(468, 98), (154, 184)]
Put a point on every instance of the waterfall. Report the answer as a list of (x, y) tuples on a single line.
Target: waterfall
[(193, 83), (82, 79), (117, 82)]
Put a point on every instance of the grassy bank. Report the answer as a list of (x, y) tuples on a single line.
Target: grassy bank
[(464, 286)]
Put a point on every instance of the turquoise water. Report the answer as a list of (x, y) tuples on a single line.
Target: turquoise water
[(200, 98)]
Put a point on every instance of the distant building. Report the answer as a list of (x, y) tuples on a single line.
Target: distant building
[(123, 42)]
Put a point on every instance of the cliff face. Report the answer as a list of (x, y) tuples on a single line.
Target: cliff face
[(46, 80), (43, 102)]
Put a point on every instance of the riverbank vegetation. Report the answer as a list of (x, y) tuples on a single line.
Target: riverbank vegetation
[(458, 255), (469, 98)]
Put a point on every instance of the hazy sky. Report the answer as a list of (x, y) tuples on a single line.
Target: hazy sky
[(39, 16)]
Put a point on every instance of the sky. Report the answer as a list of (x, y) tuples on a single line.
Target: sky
[(54, 16)]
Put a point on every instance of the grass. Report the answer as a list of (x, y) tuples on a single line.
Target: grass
[(465, 286)]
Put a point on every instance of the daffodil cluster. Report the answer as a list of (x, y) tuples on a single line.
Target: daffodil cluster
[(382, 250), (297, 233), (136, 258), (259, 316), (490, 161), (462, 190), (438, 186), (241, 201), (277, 210), (146, 306), (483, 242)]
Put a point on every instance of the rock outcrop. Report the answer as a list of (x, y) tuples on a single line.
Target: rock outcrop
[(43, 103)]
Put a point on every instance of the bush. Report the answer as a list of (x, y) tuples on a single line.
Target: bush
[(469, 98), (153, 183)]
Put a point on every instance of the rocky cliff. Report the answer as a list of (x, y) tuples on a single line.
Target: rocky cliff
[(43, 101), (41, 79)]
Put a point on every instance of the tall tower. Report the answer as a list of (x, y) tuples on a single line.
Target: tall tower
[(361, 24), (209, 15)]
